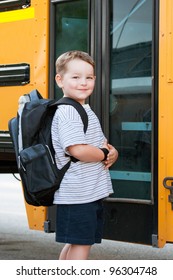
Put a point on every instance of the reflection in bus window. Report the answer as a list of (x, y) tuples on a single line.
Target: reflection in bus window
[(130, 97)]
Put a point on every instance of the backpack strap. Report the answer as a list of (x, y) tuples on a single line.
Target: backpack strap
[(77, 106), (21, 103), (34, 95)]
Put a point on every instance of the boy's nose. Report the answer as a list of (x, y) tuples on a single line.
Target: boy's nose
[(83, 81)]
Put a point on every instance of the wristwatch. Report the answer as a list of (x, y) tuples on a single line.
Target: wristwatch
[(106, 152)]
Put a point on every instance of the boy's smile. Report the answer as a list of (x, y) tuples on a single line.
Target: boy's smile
[(78, 81)]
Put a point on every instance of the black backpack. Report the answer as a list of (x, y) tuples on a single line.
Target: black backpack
[(31, 136)]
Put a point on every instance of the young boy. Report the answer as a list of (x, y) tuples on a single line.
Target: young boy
[(87, 182)]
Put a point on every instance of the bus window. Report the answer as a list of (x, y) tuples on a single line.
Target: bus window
[(14, 5), (71, 28), (130, 97), (14, 74)]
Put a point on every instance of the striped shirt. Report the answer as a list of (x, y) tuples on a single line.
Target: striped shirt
[(83, 182)]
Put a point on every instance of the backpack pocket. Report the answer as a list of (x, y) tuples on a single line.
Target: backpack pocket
[(40, 169)]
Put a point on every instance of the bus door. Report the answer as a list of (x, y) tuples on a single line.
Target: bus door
[(140, 121), (122, 36), (131, 211), (119, 35), (69, 30)]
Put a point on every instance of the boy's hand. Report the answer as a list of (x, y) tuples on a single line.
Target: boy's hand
[(112, 156), (105, 145)]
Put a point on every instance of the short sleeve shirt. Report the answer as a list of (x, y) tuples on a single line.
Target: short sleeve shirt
[(83, 182)]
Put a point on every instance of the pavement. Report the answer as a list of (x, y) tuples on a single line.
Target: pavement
[(18, 242)]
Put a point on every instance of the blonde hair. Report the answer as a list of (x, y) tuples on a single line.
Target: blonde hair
[(62, 60)]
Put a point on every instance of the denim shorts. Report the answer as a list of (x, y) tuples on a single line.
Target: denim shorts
[(79, 224)]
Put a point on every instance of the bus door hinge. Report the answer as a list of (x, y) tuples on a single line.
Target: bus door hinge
[(170, 196), (47, 227), (155, 240)]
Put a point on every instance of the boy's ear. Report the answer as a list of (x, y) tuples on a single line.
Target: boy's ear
[(58, 80)]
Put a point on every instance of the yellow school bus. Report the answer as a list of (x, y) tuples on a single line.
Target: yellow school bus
[(131, 42)]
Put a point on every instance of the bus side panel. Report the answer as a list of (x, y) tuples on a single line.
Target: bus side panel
[(165, 214), (24, 36), (24, 40)]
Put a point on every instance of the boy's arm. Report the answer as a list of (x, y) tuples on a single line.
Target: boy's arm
[(87, 153)]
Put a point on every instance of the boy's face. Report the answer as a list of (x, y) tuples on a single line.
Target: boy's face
[(78, 81)]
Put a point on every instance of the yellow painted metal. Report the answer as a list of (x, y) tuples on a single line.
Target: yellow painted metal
[(24, 38), (17, 15), (36, 216), (25, 41), (165, 152)]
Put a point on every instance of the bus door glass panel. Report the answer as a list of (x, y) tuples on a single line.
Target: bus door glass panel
[(130, 97), (71, 28)]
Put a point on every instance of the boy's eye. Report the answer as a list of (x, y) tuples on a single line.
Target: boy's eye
[(75, 77), (87, 78), (90, 78)]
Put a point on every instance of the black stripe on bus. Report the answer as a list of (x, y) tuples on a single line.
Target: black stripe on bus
[(14, 74)]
